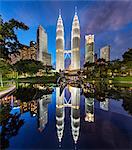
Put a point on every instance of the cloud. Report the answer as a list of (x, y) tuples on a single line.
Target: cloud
[(108, 15)]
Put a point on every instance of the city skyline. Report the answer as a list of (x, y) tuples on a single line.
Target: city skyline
[(110, 28)]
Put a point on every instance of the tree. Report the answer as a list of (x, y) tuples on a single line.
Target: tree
[(127, 61), (48, 68), (89, 66), (127, 56), (4, 69), (101, 63), (8, 38), (28, 66)]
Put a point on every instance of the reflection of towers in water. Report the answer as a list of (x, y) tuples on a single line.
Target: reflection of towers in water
[(61, 103), (43, 111), (75, 112), (89, 109), (105, 104), (60, 113)]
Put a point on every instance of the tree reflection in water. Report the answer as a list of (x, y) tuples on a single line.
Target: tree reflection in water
[(101, 91), (24, 97), (10, 125)]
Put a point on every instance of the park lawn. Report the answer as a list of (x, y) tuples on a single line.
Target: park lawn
[(120, 79), (122, 84), (3, 88)]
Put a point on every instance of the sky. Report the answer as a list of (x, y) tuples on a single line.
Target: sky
[(109, 20)]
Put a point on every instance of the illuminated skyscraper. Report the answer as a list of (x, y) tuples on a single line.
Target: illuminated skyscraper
[(60, 44), (89, 48), (42, 42), (75, 43), (42, 54), (105, 53)]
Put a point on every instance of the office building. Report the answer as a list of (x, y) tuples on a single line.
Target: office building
[(89, 48), (105, 53), (75, 44), (42, 48)]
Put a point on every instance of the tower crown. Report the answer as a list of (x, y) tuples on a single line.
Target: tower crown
[(60, 21), (75, 23), (75, 10), (60, 13)]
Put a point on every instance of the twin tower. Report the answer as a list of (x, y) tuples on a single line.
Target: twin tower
[(75, 44)]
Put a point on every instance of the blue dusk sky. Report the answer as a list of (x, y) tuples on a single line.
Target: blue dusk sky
[(110, 21)]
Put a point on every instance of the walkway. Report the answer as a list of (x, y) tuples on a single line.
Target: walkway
[(10, 89)]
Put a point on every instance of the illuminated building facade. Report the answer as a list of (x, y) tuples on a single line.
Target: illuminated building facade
[(25, 53), (42, 52), (75, 44), (105, 53), (60, 44), (89, 48)]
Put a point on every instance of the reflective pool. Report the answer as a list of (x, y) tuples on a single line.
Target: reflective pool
[(94, 117)]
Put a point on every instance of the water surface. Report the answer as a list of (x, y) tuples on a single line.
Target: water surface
[(67, 118)]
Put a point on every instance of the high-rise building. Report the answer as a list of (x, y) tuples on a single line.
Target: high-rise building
[(105, 53), (75, 43), (42, 53), (60, 44), (33, 50), (25, 53), (89, 48), (42, 42)]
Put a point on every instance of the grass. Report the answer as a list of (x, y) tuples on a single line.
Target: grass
[(123, 79), (122, 84), (3, 88)]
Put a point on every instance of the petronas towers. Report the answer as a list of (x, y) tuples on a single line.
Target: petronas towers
[(75, 44)]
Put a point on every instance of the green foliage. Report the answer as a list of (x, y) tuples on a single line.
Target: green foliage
[(8, 38), (127, 56), (28, 66), (48, 68), (5, 67)]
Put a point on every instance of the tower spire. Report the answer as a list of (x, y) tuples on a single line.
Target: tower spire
[(75, 10), (59, 12)]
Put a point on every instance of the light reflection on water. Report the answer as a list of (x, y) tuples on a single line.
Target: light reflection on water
[(70, 117)]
